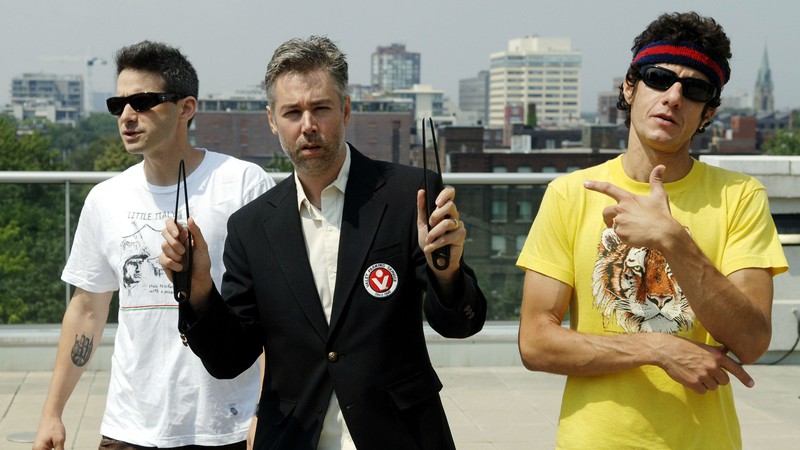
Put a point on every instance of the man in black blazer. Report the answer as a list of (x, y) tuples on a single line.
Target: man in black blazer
[(326, 273)]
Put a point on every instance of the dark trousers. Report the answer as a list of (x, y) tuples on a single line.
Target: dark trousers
[(107, 443)]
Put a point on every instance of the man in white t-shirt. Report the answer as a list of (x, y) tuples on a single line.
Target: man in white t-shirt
[(159, 394)]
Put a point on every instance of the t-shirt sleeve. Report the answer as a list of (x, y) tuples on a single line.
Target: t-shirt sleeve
[(258, 182), (87, 266), (753, 239), (548, 249)]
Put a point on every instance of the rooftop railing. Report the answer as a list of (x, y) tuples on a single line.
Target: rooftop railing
[(497, 209)]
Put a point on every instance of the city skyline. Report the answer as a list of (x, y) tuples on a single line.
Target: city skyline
[(231, 45)]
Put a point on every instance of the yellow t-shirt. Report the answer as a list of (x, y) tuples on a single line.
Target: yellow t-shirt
[(619, 289)]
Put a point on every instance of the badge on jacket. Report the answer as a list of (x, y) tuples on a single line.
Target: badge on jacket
[(380, 280)]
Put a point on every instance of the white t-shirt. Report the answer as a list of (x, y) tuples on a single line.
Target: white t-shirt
[(160, 395)]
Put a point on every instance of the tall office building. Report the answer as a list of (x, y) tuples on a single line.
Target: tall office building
[(540, 72), (473, 95), (395, 68), (607, 111), (44, 96), (763, 100)]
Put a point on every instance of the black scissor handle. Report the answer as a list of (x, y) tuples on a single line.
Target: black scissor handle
[(182, 281), (440, 256)]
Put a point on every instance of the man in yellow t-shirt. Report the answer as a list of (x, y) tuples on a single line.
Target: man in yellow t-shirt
[(665, 264)]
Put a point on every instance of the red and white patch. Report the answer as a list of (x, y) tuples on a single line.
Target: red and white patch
[(380, 280)]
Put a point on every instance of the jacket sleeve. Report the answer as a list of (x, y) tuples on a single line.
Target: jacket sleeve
[(226, 337), (465, 314)]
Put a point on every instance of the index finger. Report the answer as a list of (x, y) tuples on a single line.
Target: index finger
[(447, 194), (737, 370), (606, 188)]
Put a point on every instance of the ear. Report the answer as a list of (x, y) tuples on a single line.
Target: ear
[(708, 115), (628, 91), (271, 120), (188, 108)]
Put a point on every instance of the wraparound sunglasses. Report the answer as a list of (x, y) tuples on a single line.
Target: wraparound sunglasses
[(692, 88), (141, 102)]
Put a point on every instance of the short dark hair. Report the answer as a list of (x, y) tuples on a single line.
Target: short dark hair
[(306, 55), (691, 27), (163, 60)]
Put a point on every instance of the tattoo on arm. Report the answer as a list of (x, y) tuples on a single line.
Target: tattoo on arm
[(82, 350)]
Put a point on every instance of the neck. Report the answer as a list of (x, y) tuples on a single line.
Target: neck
[(639, 160), (161, 169)]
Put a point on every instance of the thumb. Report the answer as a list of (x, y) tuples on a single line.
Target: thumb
[(656, 180)]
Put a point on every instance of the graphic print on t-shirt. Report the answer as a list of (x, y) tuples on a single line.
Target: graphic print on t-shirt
[(634, 288), (142, 275)]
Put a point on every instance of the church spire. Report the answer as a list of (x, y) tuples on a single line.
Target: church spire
[(763, 100)]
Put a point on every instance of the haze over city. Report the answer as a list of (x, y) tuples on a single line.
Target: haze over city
[(229, 43)]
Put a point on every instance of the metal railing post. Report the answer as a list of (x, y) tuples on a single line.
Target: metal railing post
[(67, 239)]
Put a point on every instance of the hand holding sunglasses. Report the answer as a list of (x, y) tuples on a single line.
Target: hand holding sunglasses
[(182, 281), (141, 102), (662, 79), (440, 256)]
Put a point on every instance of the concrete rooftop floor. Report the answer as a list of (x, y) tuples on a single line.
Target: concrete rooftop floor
[(489, 408)]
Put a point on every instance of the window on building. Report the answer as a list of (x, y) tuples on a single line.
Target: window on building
[(498, 245), (549, 169), (524, 211), (499, 210), (520, 242)]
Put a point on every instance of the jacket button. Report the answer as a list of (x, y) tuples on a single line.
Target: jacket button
[(333, 357)]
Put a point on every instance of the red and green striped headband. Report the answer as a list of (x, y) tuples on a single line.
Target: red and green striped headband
[(684, 54)]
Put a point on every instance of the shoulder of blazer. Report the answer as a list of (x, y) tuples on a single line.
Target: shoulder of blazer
[(374, 174)]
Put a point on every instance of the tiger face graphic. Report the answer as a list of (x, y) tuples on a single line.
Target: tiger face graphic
[(635, 288)]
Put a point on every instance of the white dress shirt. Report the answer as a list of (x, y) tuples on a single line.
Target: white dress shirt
[(321, 228)]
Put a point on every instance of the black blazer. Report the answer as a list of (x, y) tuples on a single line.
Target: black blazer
[(373, 353)]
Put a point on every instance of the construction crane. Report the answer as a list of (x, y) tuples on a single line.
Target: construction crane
[(88, 61)]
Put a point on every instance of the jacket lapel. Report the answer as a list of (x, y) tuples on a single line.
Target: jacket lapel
[(360, 220), (285, 234)]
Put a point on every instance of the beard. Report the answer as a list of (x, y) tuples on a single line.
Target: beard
[(322, 161)]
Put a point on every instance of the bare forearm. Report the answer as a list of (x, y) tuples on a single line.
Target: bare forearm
[(722, 306), (555, 349), (81, 331)]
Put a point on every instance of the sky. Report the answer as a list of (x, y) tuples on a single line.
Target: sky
[(230, 42)]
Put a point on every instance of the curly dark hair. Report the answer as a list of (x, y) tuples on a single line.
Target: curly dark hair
[(163, 60), (681, 27)]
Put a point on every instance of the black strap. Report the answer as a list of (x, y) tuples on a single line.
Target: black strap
[(440, 256), (182, 281)]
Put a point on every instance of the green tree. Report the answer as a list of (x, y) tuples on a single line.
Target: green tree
[(280, 163), (112, 155), (784, 142), (13, 261), (74, 144), (31, 230)]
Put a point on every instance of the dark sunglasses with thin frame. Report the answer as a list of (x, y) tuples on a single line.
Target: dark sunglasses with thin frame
[(141, 102), (662, 79)]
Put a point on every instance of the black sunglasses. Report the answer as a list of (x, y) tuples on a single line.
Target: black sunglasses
[(140, 102), (692, 88)]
